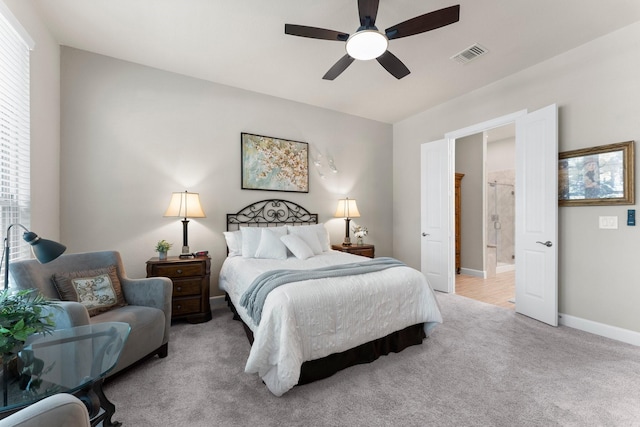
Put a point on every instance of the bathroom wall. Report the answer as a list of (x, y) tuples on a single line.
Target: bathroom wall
[(500, 197), (501, 214)]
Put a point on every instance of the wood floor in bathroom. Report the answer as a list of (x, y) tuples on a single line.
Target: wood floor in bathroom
[(499, 290)]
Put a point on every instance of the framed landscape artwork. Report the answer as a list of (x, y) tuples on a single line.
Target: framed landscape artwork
[(602, 175), (274, 164)]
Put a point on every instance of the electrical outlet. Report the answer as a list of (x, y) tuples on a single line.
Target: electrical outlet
[(609, 222)]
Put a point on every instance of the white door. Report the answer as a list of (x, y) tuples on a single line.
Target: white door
[(537, 215), (436, 183), (536, 210)]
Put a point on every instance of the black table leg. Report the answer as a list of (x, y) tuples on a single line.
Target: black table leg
[(94, 399)]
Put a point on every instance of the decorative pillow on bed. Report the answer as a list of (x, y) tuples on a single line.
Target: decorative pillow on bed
[(234, 242), (271, 247), (251, 237), (309, 235), (297, 246), (98, 290), (323, 236)]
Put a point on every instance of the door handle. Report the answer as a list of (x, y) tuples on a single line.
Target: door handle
[(425, 234), (547, 243)]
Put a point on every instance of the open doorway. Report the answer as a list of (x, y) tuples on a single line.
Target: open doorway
[(536, 210), (487, 216)]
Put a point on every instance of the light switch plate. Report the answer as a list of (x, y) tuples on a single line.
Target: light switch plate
[(609, 222)]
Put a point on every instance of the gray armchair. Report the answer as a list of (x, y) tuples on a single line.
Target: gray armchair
[(148, 309), (59, 410)]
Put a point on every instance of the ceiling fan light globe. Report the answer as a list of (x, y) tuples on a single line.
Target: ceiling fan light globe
[(367, 44)]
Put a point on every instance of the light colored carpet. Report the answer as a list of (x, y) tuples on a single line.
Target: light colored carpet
[(485, 366)]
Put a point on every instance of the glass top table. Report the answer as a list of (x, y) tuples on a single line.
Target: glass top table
[(74, 360)]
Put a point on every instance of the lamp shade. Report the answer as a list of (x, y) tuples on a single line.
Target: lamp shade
[(44, 250), (185, 205), (367, 44), (347, 208)]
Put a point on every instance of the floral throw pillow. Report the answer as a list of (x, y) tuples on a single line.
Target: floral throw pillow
[(98, 290)]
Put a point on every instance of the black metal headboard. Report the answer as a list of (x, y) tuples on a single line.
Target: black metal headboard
[(270, 213)]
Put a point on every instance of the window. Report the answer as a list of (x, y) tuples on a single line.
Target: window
[(15, 202)]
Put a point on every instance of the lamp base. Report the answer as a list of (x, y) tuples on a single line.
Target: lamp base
[(185, 253), (347, 242)]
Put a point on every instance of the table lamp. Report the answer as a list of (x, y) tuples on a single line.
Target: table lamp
[(44, 250), (185, 205), (347, 209)]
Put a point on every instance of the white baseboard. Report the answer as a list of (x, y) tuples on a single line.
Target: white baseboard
[(472, 272), (217, 301), (504, 268), (608, 331)]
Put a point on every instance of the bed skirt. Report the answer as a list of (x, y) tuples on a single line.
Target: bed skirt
[(318, 369)]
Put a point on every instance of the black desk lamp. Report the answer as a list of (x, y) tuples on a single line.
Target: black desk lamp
[(44, 250)]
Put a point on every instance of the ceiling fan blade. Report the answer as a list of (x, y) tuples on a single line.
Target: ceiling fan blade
[(393, 65), (427, 22), (338, 67), (314, 33), (368, 8)]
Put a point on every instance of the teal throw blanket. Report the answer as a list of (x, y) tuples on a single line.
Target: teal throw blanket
[(254, 297)]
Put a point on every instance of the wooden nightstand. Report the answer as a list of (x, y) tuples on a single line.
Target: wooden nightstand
[(363, 250), (190, 277)]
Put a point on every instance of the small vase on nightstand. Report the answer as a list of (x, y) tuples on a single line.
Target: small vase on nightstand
[(359, 241), (162, 256)]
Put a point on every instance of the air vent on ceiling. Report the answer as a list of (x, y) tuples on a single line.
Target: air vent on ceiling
[(470, 53)]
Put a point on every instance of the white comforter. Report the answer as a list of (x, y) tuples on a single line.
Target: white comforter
[(312, 319)]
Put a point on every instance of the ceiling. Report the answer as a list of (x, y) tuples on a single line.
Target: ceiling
[(241, 43)]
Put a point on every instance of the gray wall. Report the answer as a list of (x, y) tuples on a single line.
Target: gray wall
[(597, 88), (470, 162), (132, 135)]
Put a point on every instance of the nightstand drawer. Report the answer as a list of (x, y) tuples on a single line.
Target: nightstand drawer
[(182, 270), (184, 306), (368, 252), (362, 250), (191, 281), (184, 287)]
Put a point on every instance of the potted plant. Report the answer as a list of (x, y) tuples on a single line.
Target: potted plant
[(359, 232), (23, 313), (162, 247)]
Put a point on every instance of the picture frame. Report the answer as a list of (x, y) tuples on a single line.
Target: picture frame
[(274, 164), (602, 175)]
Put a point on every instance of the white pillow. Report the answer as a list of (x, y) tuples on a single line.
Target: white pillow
[(309, 235), (234, 242), (251, 239), (271, 247), (297, 246), (323, 236)]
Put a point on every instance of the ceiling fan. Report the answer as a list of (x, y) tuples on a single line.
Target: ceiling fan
[(369, 43)]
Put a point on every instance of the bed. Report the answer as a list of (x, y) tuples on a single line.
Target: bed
[(310, 329)]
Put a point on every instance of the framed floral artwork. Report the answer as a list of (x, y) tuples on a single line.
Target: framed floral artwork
[(602, 175), (274, 164)]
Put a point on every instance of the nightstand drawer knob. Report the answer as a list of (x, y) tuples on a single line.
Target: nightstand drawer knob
[(179, 288), (179, 271)]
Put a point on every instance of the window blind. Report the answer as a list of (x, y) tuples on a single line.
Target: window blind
[(15, 202)]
